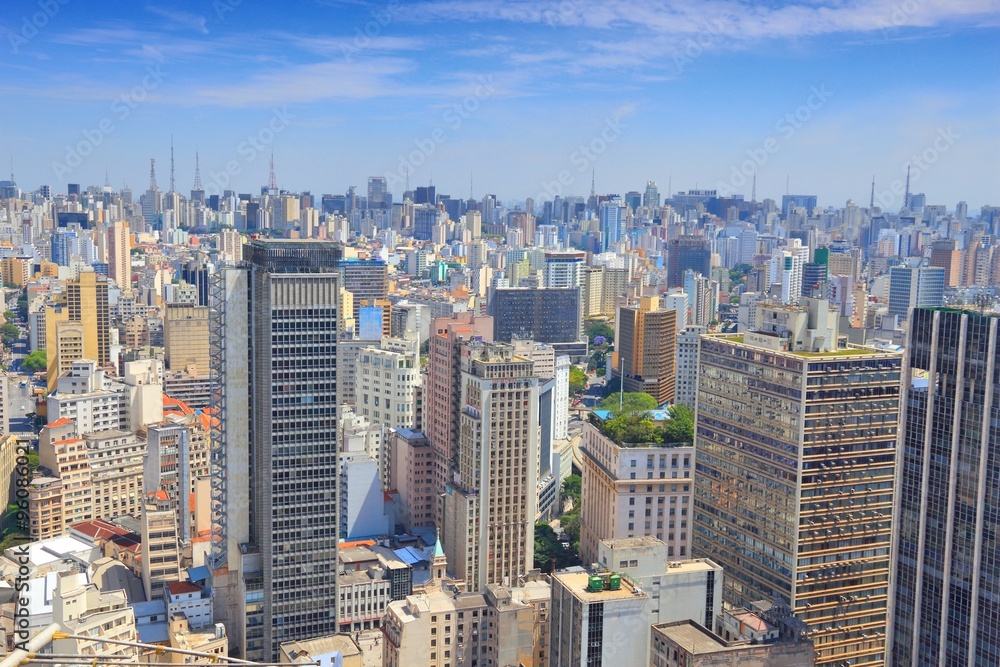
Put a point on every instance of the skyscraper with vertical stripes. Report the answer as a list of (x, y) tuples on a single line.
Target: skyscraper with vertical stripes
[(946, 555)]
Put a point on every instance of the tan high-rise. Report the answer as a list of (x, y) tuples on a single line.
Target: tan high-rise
[(647, 342), (86, 306), (185, 338), (120, 255)]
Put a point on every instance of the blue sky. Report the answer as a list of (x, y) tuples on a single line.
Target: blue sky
[(523, 98)]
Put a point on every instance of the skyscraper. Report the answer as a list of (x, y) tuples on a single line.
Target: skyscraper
[(490, 504), (120, 255), (546, 315), (921, 287), (86, 318), (945, 551), (274, 347), (612, 223), (378, 193), (795, 447), (443, 394), (647, 339), (688, 252)]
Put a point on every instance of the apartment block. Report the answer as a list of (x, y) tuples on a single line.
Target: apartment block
[(633, 490)]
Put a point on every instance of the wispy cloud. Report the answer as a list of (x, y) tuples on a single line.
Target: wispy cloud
[(180, 19)]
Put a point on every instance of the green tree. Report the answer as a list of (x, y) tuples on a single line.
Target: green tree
[(571, 488), (570, 524), (630, 402), (9, 316), (9, 333), (680, 426), (577, 380), (35, 361), (632, 427), (549, 551), (595, 328)]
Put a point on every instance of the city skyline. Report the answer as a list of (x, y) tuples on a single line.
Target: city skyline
[(689, 95)]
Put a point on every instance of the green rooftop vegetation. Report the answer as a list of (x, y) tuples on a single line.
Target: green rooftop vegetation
[(636, 428)]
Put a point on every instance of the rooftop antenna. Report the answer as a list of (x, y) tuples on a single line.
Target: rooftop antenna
[(753, 191), (272, 183), (172, 189), (107, 181), (788, 180), (906, 197), (470, 185), (593, 181), (871, 203), (152, 174), (197, 172), (11, 168)]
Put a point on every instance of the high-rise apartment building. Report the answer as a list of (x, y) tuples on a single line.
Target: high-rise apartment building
[(443, 395), (921, 287), (795, 440), (490, 504), (78, 328), (365, 279), (947, 521), (275, 502), (564, 269), (688, 344), (946, 255), (120, 255), (647, 338), (185, 338), (385, 383), (612, 223)]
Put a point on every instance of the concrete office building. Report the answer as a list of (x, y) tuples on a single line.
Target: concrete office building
[(795, 440), (385, 382), (490, 505), (945, 569), (688, 344), (280, 494), (78, 328)]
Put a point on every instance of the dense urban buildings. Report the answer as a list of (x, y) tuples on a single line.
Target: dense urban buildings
[(389, 425)]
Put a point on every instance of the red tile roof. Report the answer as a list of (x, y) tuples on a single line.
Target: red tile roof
[(181, 587)]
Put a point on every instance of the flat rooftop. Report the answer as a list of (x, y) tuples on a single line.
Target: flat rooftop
[(576, 582), (693, 638)]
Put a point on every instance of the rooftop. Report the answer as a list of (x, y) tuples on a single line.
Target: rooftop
[(694, 638), (576, 580), (846, 352)]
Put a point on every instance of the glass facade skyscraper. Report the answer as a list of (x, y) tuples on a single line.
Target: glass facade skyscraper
[(946, 565)]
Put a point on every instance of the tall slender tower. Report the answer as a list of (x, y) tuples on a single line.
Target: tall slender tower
[(274, 348), (490, 504), (947, 520)]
